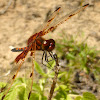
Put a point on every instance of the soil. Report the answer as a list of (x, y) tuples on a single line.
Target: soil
[(24, 17)]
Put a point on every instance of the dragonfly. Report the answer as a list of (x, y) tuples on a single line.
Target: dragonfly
[(37, 42)]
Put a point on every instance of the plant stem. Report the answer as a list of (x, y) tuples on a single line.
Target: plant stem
[(54, 79)]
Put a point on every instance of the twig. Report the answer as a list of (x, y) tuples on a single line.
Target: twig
[(55, 78), (5, 9)]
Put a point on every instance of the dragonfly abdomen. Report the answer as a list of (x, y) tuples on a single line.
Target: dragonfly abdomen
[(18, 49)]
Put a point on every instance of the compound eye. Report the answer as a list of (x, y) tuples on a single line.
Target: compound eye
[(45, 45), (48, 45), (51, 43), (51, 47)]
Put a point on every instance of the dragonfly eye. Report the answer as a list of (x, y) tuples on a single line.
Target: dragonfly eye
[(51, 46), (48, 45)]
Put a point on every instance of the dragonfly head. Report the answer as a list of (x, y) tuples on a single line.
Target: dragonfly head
[(48, 45)]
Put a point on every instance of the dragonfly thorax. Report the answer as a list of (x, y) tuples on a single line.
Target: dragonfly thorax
[(48, 45)]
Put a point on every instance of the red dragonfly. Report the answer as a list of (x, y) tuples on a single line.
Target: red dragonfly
[(36, 42)]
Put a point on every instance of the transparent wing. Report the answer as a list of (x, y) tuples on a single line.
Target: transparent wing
[(11, 77), (44, 27), (60, 21), (52, 24)]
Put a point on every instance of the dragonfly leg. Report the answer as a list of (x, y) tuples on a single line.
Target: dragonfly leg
[(46, 58)]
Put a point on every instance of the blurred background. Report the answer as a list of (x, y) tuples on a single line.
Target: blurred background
[(19, 19)]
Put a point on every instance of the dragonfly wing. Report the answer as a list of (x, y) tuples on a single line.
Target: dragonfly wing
[(41, 30), (64, 18), (10, 80), (13, 74)]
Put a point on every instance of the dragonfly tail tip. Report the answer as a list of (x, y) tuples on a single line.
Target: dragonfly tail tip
[(86, 5)]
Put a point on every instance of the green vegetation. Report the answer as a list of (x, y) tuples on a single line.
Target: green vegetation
[(78, 56)]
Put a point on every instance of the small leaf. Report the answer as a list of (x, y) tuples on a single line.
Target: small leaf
[(39, 69), (12, 94), (71, 97), (63, 87), (37, 96), (23, 95), (88, 96), (34, 96), (62, 74), (2, 84), (70, 56), (36, 87), (78, 98)]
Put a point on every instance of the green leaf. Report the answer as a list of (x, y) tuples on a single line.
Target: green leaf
[(2, 84), (72, 97), (62, 87), (23, 94), (12, 94), (69, 97), (39, 69), (37, 96), (88, 96), (70, 56), (36, 87), (78, 98), (61, 74)]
